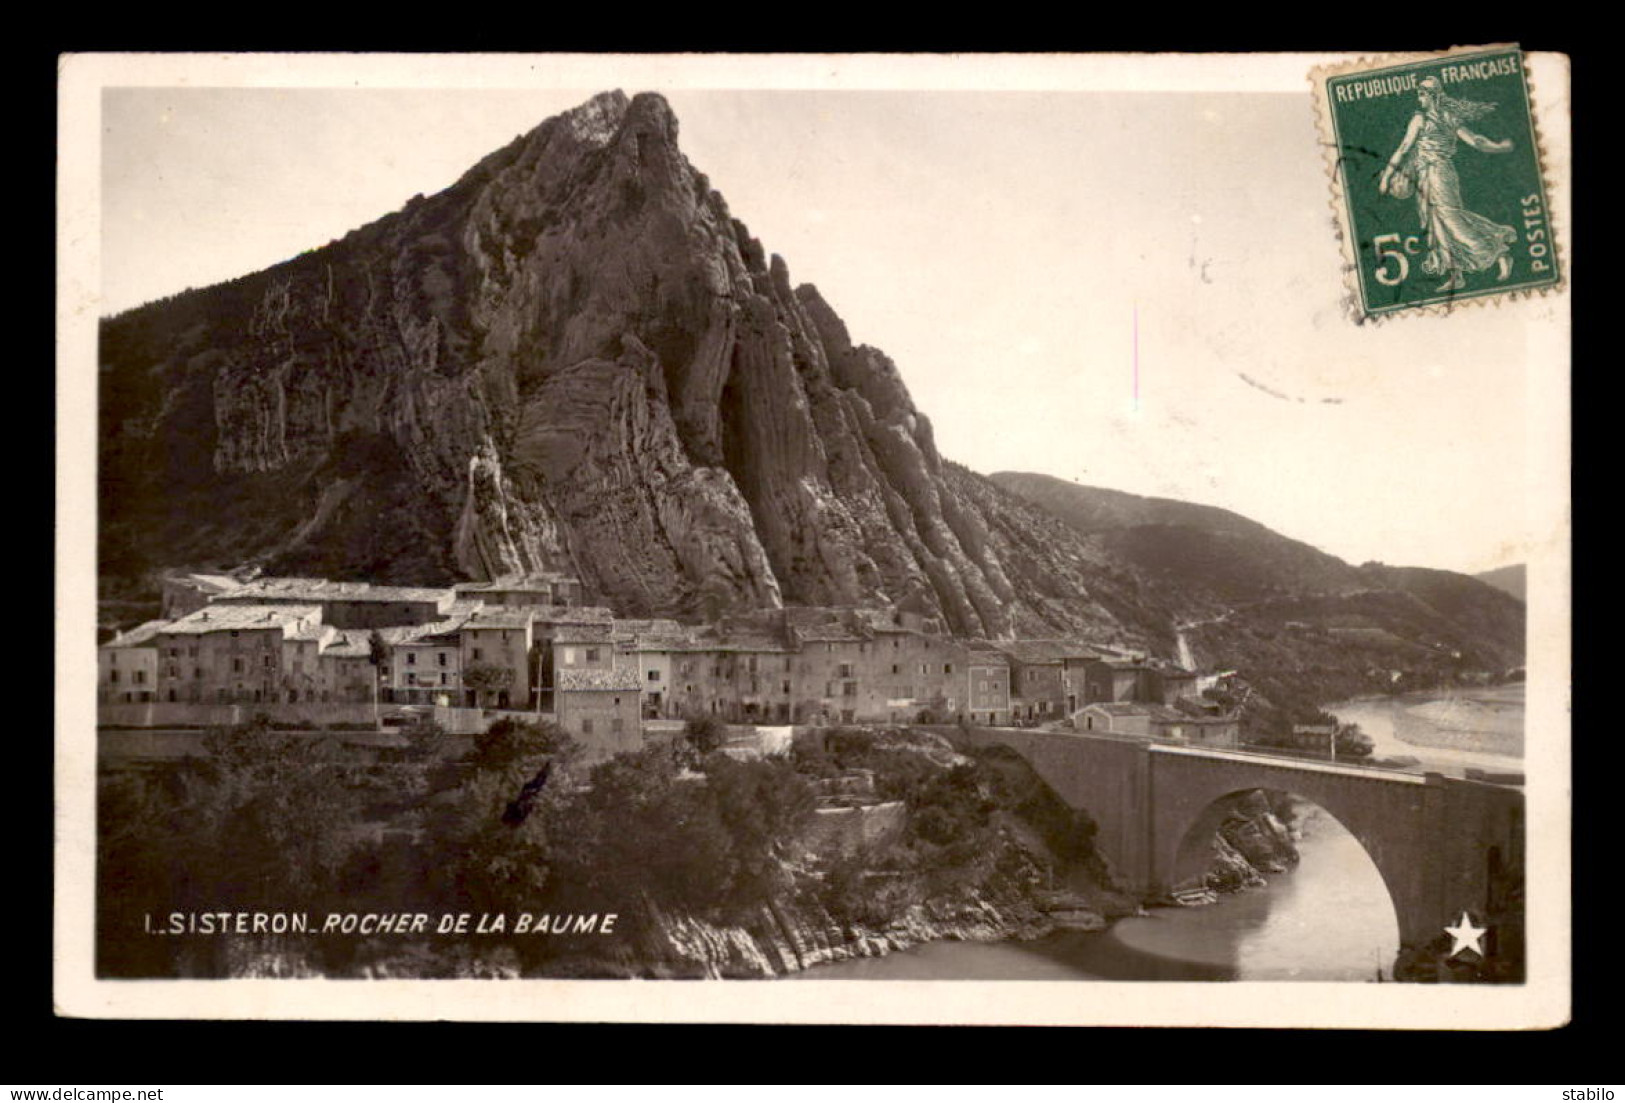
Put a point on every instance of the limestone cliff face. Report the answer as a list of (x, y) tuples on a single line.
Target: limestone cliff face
[(575, 358)]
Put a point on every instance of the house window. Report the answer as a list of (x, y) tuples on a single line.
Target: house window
[(895, 669), (569, 656), (849, 690), (592, 654), (846, 670), (947, 668), (197, 672), (411, 658), (140, 677), (586, 727), (234, 633), (442, 678), (654, 675), (114, 676), (615, 726), (266, 660), (441, 655), (478, 654), (236, 666), (191, 652), (787, 689), (411, 678)]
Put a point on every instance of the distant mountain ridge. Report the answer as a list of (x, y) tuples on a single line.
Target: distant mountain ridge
[(1512, 579), (1304, 625), (575, 358)]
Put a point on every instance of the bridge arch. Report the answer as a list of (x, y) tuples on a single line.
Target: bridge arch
[(1439, 843), (1379, 811), (1194, 852)]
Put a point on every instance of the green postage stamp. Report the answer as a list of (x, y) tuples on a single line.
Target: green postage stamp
[(1437, 181)]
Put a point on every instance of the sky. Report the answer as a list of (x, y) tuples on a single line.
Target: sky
[(1136, 290)]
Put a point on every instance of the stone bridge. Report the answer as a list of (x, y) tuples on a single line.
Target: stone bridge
[(1443, 845)]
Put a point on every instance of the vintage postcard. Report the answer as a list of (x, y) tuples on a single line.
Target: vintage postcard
[(871, 539)]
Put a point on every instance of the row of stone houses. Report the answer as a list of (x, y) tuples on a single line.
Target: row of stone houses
[(514, 644)]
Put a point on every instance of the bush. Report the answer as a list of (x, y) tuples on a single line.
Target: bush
[(705, 734), (510, 742)]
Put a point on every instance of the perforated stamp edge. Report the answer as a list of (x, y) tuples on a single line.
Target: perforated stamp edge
[(1353, 302)]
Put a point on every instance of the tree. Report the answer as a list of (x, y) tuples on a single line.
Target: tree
[(377, 655), (521, 744), (487, 679), (704, 734), (482, 854)]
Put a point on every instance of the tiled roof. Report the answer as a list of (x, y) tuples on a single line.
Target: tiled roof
[(632, 629), (746, 642), (1045, 651), (314, 630), (662, 642), (1160, 713), (1120, 708), (498, 617), (625, 681), (348, 645), (978, 657), (322, 589), (568, 634), (219, 618), (436, 633), (828, 633), (140, 636)]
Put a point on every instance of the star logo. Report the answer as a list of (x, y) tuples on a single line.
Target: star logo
[(1466, 935)]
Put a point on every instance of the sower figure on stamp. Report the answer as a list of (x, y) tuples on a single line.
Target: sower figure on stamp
[(1458, 240)]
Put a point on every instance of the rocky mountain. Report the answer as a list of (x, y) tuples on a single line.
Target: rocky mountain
[(575, 358)]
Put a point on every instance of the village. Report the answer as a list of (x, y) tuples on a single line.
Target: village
[(320, 653)]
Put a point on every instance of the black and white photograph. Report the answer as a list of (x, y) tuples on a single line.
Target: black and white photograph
[(849, 539)]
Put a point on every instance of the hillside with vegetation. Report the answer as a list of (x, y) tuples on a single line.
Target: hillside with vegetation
[(1302, 628), (711, 865)]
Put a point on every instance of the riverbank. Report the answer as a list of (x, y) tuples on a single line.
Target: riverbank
[(1253, 935), (1477, 723)]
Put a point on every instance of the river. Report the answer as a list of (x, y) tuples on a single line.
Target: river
[(1328, 919), (1444, 730)]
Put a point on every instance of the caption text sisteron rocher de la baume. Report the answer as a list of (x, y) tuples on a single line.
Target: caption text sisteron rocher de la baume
[(378, 923)]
